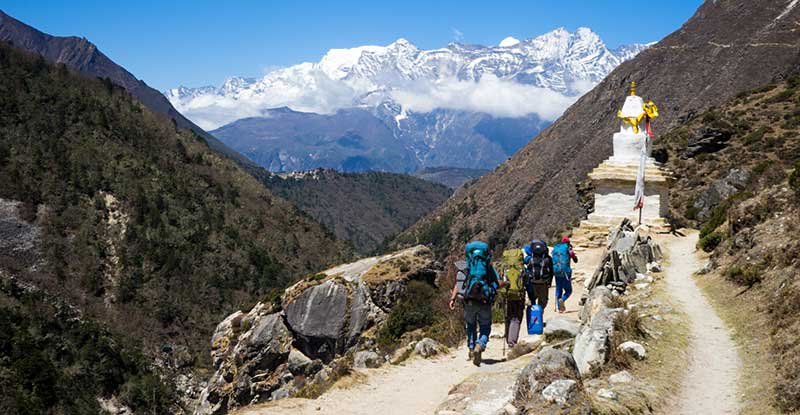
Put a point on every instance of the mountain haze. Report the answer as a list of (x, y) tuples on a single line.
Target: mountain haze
[(466, 106), (534, 194)]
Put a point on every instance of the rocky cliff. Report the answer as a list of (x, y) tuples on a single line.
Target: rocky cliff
[(726, 47), (314, 332)]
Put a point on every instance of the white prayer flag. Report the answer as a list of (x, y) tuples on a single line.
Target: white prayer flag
[(639, 192)]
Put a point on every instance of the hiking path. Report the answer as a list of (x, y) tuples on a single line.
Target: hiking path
[(420, 386), (710, 383)]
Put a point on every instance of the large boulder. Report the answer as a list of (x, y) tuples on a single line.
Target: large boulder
[(707, 140), (327, 318), (591, 350), (719, 190)]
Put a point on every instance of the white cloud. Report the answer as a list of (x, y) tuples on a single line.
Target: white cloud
[(458, 35), (498, 97)]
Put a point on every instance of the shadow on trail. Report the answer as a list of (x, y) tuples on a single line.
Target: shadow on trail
[(492, 361)]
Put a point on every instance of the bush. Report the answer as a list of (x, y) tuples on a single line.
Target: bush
[(413, 311), (710, 242), (147, 392), (794, 179), (748, 276)]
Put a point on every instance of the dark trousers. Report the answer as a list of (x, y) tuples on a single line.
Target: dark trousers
[(515, 309), (537, 293)]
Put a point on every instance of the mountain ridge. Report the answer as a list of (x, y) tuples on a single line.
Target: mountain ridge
[(533, 195), (84, 56), (463, 106)]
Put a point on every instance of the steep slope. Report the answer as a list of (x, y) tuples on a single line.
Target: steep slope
[(738, 180), (365, 208), (726, 47), (82, 55), (133, 224)]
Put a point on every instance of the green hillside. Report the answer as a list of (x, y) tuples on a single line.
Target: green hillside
[(151, 235)]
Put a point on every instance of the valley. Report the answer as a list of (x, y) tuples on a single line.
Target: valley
[(290, 243)]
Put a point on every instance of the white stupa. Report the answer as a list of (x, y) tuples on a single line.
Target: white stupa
[(614, 179)]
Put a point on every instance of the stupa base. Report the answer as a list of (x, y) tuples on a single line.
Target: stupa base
[(593, 232)]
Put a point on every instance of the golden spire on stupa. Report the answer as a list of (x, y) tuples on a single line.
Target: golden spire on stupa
[(633, 88)]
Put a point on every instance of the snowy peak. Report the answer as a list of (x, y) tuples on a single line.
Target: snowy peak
[(561, 62), (508, 42)]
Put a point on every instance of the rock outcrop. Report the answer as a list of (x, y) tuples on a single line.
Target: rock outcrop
[(315, 331), (551, 378)]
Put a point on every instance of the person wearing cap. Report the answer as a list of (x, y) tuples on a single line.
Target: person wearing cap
[(563, 255)]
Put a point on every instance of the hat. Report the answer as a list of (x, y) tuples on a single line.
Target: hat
[(565, 239)]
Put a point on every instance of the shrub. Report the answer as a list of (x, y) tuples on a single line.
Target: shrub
[(413, 311), (748, 276), (794, 179), (710, 242)]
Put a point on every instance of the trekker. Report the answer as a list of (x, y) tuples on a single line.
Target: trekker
[(562, 255), (476, 284), (539, 272), (513, 272)]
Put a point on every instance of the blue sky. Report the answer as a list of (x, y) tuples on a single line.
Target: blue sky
[(197, 42)]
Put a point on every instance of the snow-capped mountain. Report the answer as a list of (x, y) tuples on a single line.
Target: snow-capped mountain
[(423, 96)]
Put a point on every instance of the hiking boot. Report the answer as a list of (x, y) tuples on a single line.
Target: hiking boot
[(561, 306), (476, 355), (469, 354)]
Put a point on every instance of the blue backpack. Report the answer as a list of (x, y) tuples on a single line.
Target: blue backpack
[(478, 284), (560, 257)]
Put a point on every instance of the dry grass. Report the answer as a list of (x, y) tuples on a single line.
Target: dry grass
[(661, 373), (750, 325)]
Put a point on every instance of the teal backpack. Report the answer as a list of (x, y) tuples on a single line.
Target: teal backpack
[(478, 284), (560, 257)]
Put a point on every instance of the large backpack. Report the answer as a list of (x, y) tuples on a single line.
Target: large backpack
[(560, 257), (478, 285), (513, 270), (536, 262)]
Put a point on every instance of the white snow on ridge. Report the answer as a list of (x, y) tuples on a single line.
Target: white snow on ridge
[(541, 75), (508, 42)]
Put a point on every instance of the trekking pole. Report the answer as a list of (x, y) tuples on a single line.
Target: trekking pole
[(505, 314)]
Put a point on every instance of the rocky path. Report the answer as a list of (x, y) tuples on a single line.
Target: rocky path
[(710, 383), (420, 386)]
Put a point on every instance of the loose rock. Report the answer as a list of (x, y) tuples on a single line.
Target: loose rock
[(559, 391), (621, 377), (634, 349), (607, 394), (428, 347), (367, 360), (560, 328)]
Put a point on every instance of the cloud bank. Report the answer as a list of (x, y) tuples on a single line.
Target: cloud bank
[(320, 94), (498, 97)]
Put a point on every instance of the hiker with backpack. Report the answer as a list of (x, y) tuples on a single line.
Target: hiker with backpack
[(513, 272), (477, 284), (562, 255), (539, 273)]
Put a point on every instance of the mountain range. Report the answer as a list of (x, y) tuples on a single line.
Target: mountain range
[(536, 194), (400, 108)]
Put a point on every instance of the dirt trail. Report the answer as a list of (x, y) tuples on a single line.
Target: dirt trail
[(710, 383), (419, 386)]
